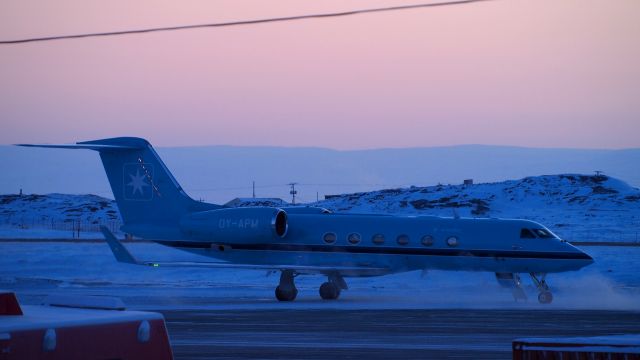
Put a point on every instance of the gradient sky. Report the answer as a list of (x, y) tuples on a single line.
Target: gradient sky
[(507, 72)]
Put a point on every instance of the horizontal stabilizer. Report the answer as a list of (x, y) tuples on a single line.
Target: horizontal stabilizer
[(96, 147)]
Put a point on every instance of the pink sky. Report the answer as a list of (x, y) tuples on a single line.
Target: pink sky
[(509, 72)]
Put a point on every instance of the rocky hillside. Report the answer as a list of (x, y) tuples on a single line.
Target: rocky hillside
[(58, 212), (576, 207)]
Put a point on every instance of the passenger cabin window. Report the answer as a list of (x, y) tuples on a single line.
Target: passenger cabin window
[(403, 239), (329, 238), (427, 240), (378, 239), (526, 234), (452, 241), (354, 238), (543, 233)]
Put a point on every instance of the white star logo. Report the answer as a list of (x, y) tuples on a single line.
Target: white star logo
[(137, 182)]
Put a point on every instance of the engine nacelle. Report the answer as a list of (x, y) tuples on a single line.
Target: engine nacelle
[(249, 224)]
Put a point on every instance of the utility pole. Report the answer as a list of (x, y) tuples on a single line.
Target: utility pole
[(254, 189), (293, 193)]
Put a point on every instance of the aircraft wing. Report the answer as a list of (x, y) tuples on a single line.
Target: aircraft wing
[(123, 255)]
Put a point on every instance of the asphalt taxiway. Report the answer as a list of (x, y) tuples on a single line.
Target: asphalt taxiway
[(232, 313), (378, 334)]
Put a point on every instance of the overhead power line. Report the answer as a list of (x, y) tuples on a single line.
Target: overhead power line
[(242, 22)]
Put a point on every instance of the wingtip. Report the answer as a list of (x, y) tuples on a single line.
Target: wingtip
[(106, 232), (119, 251)]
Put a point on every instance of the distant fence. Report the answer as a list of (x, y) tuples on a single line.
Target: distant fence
[(598, 234), (74, 227)]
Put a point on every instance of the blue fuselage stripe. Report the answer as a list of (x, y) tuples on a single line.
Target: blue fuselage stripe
[(382, 250)]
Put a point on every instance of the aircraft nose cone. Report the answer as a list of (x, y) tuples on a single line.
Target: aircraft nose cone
[(583, 258), (586, 257), (581, 255)]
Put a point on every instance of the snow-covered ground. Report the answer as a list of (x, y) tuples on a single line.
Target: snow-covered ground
[(36, 269)]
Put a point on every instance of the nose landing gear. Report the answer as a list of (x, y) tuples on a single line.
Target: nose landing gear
[(544, 293), (512, 281), (545, 297)]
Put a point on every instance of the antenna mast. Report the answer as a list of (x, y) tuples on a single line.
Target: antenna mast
[(293, 193)]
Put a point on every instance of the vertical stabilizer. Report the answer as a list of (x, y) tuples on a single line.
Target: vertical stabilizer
[(143, 187)]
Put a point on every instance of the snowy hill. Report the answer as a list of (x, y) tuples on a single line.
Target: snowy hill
[(56, 215), (576, 207)]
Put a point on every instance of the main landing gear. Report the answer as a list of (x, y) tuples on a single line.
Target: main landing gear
[(329, 290), (286, 290)]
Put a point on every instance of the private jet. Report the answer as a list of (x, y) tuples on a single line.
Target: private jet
[(301, 240)]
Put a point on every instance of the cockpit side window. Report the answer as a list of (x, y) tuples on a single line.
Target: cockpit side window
[(526, 234), (543, 233)]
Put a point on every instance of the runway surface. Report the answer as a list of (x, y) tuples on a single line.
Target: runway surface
[(232, 314), (378, 334)]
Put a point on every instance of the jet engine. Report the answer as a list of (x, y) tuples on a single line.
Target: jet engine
[(249, 224)]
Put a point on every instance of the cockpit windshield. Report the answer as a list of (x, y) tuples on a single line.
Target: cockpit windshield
[(526, 234), (536, 233), (542, 233)]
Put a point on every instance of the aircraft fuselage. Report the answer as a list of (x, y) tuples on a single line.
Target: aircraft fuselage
[(397, 243)]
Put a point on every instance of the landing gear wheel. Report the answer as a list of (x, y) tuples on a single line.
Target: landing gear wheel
[(544, 293), (286, 290), (545, 297), (286, 295), (329, 291)]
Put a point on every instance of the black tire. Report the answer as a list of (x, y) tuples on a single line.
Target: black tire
[(329, 291), (545, 297), (286, 295)]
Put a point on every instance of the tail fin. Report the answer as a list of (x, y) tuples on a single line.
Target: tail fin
[(144, 189)]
